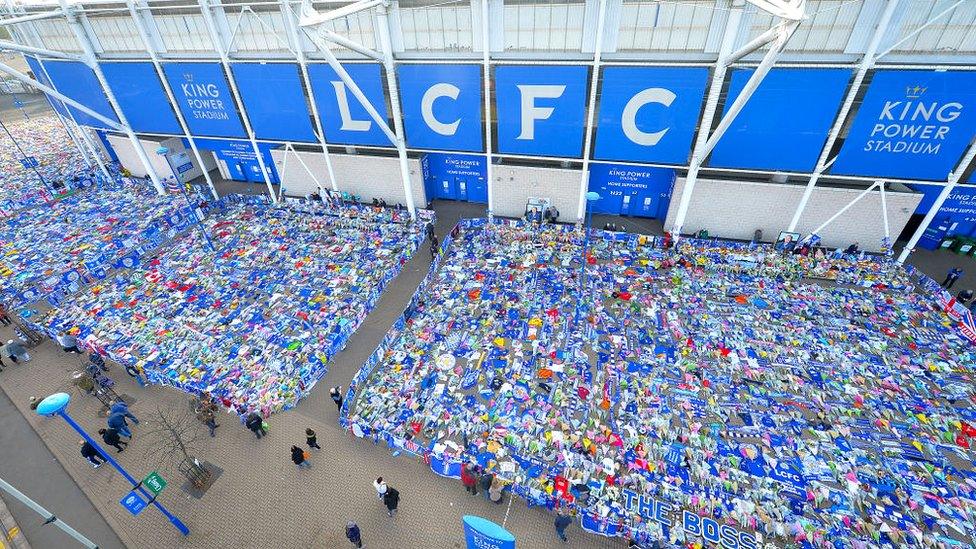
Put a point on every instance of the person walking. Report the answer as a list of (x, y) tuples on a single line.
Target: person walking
[(380, 485), (485, 483), (469, 479), (117, 422), (951, 277), (5, 315), (111, 437), (69, 343), (120, 407), (434, 245), (15, 351), (206, 411), (300, 457), (391, 499), (255, 423), (336, 394), (353, 534), (90, 453), (310, 439), (562, 522)]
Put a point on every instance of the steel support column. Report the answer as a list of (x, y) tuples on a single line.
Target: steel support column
[(591, 113), (382, 19), (486, 93), (154, 57), (92, 63), (291, 23), (219, 45), (862, 70)]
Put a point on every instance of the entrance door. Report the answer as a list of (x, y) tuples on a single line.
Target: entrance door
[(648, 208), (462, 189), (625, 206)]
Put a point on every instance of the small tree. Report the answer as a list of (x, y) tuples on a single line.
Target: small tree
[(174, 434)]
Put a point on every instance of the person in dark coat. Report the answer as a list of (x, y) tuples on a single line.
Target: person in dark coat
[(91, 454), (336, 394), (311, 439), (255, 423), (117, 421), (298, 456), (353, 534), (562, 522), (485, 482), (469, 479), (391, 499), (111, 437), (951, 277)]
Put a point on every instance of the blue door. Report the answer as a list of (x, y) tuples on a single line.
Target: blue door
[(462, 189), (647, 206), (625, 206)]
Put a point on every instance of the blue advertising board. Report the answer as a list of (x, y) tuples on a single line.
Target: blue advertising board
[(958, 212), (649, 114), (134, 503), (455, 177), (204, 98), (38, 71), (480, 533), (640, 191), (770, 132), (912, 124), (344, 119), (442, 106), (141, 96), (541, 109), (77, 81), (274, 101)]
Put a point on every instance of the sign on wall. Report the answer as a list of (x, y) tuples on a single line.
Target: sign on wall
[(344, 118), (631, 190), (141, 96), (274, 101), (649, 114), (771, 132), (204, 98), (912, 124), (75, 80), (442, 106), (958, 212), (541, 109), (455, 177), (242, 163)]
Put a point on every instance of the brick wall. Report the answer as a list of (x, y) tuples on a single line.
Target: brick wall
[(367, 176), (735, 209), (513, 185)]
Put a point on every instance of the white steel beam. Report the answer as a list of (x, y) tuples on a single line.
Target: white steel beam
[(316, 18), (846, 207), (486, 94), (711, 105), (927, 24), (154, 57), (953, 181), (23, 78), (382, 19), (591, 113), (12, 46), (220, 46), (346, 43), (862, 70), (92, 63), (31, 17), (296, 46)]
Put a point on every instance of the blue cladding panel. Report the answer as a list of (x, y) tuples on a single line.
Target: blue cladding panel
[(274, 101), (75, 80), (204, 98), (442, 106), (141, 95), (344, 118)]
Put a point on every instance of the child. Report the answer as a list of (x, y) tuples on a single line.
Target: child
[(310, 439)]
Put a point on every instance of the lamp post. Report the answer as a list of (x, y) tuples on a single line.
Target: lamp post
[(590, 198), (57, 405), (164, 152)]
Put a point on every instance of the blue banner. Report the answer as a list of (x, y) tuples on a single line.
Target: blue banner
[(541, 109), (274, 101), (75, 80), (445, 467), (442, 106), (204, 98), (911, 125), (455, 177), (771, 133), (344, 118), (649, 114), (631, 190), (141, 95), (38, 71), (480, 533)]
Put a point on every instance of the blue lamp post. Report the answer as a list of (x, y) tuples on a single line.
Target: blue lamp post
[(57, 405), (164, 152)]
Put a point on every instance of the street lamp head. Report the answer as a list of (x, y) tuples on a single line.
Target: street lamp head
[(592, 196), (53, 404), (162, 150)]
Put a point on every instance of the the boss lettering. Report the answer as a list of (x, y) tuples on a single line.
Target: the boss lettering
[(711, 531)]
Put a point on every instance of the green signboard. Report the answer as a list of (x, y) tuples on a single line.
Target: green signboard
[(154, 483)]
